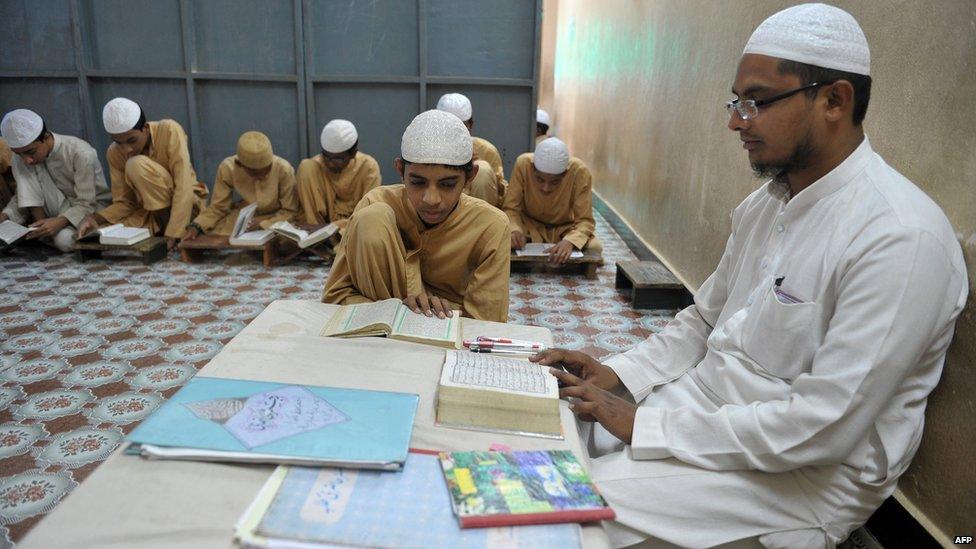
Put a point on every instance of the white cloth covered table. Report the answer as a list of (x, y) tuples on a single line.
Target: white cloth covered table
[(132, 502)]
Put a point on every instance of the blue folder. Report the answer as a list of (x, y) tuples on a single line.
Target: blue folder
[(213, 419)]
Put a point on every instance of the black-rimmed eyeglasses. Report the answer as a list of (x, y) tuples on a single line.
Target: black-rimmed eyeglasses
[(749, 108)]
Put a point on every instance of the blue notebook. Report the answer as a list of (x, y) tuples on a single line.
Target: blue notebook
[(339, 507), (212, 419)]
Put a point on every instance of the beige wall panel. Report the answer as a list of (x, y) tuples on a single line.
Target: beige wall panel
[(638, 93)]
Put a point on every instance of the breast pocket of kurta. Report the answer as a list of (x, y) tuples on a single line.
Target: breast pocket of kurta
[(780, 335)]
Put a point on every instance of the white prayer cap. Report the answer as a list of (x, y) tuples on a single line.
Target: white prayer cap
[(436, 137), (815, 34), (338, 136), (21, 127), (120, 115), (542, 117), (551, 156), (456, 104)]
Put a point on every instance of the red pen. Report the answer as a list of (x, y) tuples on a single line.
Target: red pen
[(532, 344), (496, 345)]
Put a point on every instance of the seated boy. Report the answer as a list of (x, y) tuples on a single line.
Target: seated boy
[(259, 177), (549, 200), (423, 241)]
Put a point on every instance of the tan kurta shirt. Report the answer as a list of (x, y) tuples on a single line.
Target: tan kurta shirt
[(484, 150), (464, 259), (568, 210), (72, 168), (275, 195), (168, 148), (7, 186), (337, 194)]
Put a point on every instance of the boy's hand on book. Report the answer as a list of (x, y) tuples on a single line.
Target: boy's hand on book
[(47, 227), (595, 404), (430, 305), (560, 252), (518, 240), (579, 364)]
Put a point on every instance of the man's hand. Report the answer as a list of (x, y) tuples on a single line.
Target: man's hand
[(581, 365), (47, 227), (430, 305), (596, 404), (559, 253), (518, 240), (190, 234)]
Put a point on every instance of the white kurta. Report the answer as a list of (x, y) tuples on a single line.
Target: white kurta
[(760, 400)]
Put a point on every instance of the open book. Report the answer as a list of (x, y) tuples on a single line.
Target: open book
[(250, 239), (392, 318), (11, 232), (483, 392), (118, 235), (538, 249), (303, 238)]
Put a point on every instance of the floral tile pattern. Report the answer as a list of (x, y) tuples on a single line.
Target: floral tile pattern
[(87, 350)]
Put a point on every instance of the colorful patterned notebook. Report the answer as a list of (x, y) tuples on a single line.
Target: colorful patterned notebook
[(213, 419), (301, 506), (515, 488)]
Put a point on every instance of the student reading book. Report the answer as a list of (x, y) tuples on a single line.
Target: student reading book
[(490, 393), (249, 239), (516, 488), (212, 419), (393, 319), (347, 508), (118, 235), (303, 238)]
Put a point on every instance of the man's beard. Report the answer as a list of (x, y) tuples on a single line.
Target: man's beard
[(799, 159)]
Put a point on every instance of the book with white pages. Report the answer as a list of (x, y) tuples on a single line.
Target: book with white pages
[(484, 392), (118, 235), (303, 238), (538, 249), (393, 319), (249, 239), (11, 232)]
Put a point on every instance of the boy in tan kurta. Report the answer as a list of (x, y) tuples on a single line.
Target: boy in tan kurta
[(7, 186), (424, 241), (489, 184), (153, 182), (332, 183), (259, 177), (549, 200)]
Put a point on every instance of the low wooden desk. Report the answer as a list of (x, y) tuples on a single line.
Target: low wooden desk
[(132, 502), (190, 249), (149, 250), (588, 264)]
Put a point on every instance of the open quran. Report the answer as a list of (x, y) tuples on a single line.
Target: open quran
[(393, 319), (490, 393)]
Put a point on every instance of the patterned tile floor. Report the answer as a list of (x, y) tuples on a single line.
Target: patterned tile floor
[(87, 350)]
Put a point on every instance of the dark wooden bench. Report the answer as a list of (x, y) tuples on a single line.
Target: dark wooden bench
[(191, 250), (651, 285), (288, 249), (587, 264), (149, 250)]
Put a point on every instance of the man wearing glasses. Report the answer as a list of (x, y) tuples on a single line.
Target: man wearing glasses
[(784, 404)]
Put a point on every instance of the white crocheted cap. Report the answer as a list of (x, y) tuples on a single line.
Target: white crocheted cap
[(436, 137), (542, 117), (120, 115), (456, 104), (551, 156), (21, 127), (815, 34), (338, 136)]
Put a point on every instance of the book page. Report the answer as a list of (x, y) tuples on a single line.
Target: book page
[(244, 219), (507, 375), (366, 314), (415, 325), (289, 230), (10, 231), (538, 249)]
